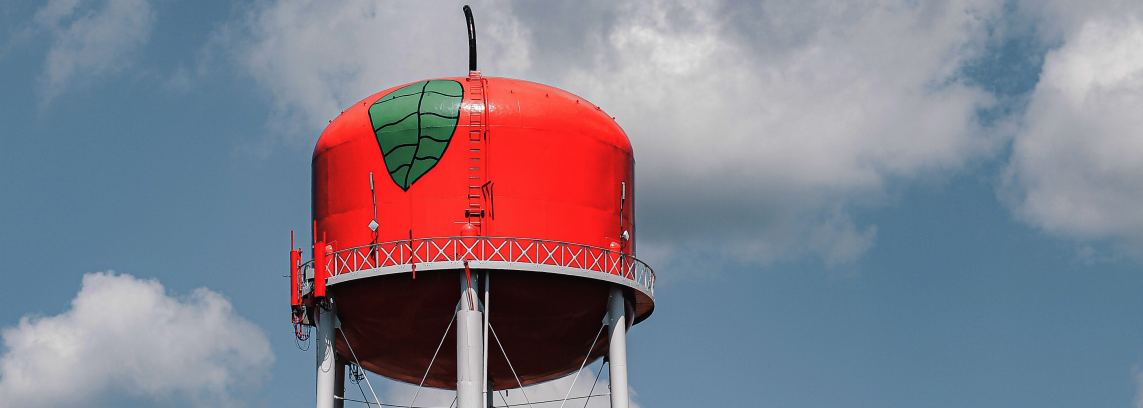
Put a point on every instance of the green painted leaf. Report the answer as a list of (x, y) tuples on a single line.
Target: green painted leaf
[(414, 125)]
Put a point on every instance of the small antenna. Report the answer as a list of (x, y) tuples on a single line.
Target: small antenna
[(471, 38)]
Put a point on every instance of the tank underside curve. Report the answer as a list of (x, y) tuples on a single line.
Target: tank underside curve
[(542, 317)]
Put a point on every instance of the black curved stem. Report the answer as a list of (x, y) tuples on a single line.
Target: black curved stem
[(471, 38)]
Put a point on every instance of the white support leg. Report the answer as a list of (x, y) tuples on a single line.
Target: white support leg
[(617, 355), (487, 381), (469, 353), (327, 366)]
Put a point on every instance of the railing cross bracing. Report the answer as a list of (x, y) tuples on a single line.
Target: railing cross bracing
[(427, 251)]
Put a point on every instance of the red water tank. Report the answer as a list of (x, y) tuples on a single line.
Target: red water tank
[(529, 184), (513, 158)]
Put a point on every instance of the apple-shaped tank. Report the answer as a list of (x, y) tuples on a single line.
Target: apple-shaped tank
[(526, 185)]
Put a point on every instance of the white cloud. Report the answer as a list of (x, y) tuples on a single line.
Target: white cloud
[(754, 137), (317, 58), (1076, 167), (126, 338), (757, 127), (90, 42), (1138, 388), (869, 91)]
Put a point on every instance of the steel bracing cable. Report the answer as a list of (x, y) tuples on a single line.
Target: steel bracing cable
[(582, 365), (430, 367), (358, 362), (509, 364), (362, 392), (506, 404), (593, 383), (371, 403)]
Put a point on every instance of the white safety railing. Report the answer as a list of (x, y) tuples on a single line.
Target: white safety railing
[(427, 251)]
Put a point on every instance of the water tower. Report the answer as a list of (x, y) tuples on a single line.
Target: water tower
[(425, 192)]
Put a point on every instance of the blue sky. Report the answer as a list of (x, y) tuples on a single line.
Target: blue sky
[(860, 204)]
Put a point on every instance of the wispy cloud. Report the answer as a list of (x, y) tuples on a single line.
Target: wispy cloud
[(90, 40), (1138, 388), (1076, 168), (125, 338), (317, 58), (775, 120)]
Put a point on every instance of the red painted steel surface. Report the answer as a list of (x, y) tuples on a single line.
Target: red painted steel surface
[(555, 160), (320, 271), (515, 252), (525, 160), (295, 261)]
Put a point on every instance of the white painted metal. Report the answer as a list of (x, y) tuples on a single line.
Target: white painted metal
[(503, 252), (469, 353), (327, 366), (486, 381), (496, 265), (617, 356)]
